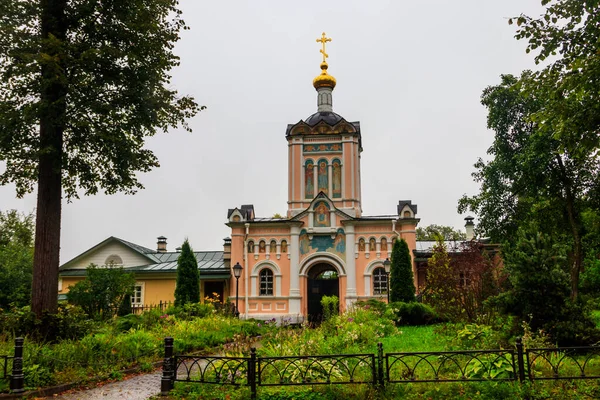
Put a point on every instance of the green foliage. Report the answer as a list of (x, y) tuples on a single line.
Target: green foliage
[(402, 284), (84, 84), (540, 289), (545, 166), (192, 310), (16, 258), (103, 290), (69, 322), (441, 290), (434, 232), (414, 313), (125, 306), (331, 306), (187, 289)]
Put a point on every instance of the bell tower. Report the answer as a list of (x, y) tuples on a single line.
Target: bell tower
[(324, 152)]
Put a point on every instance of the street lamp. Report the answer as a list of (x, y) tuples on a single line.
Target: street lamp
[(387, 264), (237, 272)]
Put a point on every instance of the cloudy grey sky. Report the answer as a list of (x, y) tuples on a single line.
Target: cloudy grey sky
[(410, 71)]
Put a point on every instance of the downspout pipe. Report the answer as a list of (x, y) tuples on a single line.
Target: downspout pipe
[(247, 225)]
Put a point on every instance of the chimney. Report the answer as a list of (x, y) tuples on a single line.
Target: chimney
[(161, 245), (470, 228)]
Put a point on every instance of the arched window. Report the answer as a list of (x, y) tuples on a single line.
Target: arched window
[(273, 247), (361, 244), (113, 259), (250, 247), (380, 281), (337, 178), (262, 246), (323, 176), (266, 282), (284, 247), (309, 180), (372, 244), (383, 244)]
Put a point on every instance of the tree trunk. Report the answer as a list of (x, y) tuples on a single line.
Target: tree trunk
[(44, 293), (574, 224)]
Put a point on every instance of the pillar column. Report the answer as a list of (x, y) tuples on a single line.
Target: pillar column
[(294, 249), (350, 267), (330, 179), (316, 179)]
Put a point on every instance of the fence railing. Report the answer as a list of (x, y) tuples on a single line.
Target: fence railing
[(380, 369), (4, 362), (140, 308)]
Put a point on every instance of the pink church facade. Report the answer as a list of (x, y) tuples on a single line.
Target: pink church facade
[(325, 245)]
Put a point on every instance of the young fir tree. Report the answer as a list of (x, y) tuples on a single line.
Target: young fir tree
[(187, 289), (402, 284)]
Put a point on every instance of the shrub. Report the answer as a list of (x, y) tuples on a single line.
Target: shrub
[(187, 289), (402, 283), (331, 306), (191, 311), (414, 313), (69, 322), (103, 290)]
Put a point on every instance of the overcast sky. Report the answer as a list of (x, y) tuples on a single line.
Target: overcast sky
[(411, 72)]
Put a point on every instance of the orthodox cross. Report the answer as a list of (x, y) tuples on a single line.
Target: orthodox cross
[(324, 39)]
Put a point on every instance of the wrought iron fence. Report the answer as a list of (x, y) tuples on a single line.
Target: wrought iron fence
[(563, 363), (380, 369), (4, 360), (450, 366), (317, 370)]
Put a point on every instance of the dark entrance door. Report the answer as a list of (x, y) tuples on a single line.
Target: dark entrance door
[(322, 281), (214, 290)]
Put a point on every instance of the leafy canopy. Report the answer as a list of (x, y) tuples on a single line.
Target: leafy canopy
[(103, 291), (433, 232), (16, 258), (113, 64)]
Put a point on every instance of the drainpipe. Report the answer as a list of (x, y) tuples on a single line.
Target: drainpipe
[(394, 228), (247, 225)]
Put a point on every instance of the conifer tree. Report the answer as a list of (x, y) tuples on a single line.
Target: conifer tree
[(187, 289), (402, 284)]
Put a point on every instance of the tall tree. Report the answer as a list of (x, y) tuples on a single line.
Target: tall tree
[(187, 289), (84, 83), (432, 232), (16, 258), (402, 283), (535, 175)]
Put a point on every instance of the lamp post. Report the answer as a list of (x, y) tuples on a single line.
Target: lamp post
[(387, 264), (237, 272)]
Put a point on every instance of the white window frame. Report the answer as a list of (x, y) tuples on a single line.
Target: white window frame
[(142, 286)]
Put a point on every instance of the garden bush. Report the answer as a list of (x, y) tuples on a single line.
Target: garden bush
[(70, 322), (414, 314)]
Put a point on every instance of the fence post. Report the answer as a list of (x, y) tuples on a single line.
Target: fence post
[(252, 373), (16, 378), (520, 359), (380, 364), (160, 305), (166, 382)]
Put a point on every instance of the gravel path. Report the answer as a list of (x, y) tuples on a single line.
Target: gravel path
[(138, 387)]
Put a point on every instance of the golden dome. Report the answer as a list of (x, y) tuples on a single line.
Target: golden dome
[(324, 79)]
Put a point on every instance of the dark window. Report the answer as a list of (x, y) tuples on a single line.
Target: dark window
[(380, 282), (266, 282)]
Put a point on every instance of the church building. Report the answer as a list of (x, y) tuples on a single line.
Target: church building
[(326, 245)]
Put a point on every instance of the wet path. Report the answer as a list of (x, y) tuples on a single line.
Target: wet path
[(137, 387)]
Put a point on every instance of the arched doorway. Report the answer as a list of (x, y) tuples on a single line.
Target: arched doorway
[(323, 280)]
